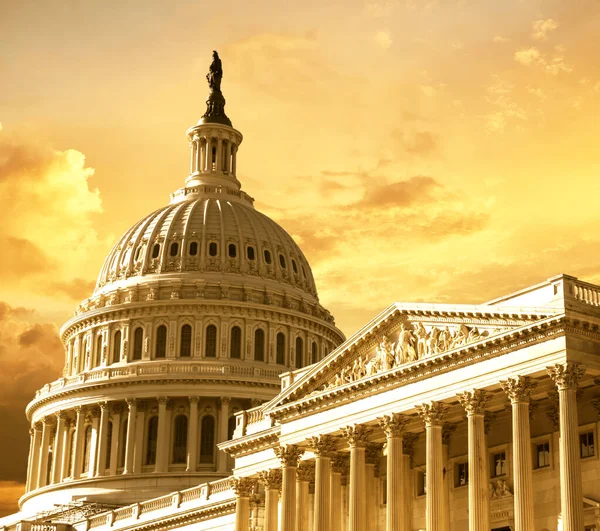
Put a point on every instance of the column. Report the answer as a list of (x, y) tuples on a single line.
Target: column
[(138, 445), (339, 464), (519, 391), (566, 377), (243, 488), (192, 442), (271, 481), (433, 416), (94, 443), (44, 450), (34, 457), (228, 161), (289, 457), (58, 447), (234, 163), (79, 433), (67, 450), (305, 474), (324, 449), (408, 451), (102, 439), (115, 443), (393, 427), (192, 155), (219, 154), (223, 425), (130, 442), (162, 442), (208, 155), (357, 441), (447, 431), (372, 456), (474, 403)]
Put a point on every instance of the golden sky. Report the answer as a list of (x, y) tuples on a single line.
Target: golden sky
[(417, 150)]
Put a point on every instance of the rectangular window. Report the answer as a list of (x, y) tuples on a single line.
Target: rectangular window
[(499, 464), (421, 483), (462, 474), (586, 444), (542, 454)]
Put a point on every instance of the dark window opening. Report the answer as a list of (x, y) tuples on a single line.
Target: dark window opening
[(282, 261), (462, 474), (117, 347), (236, 342), (280, 349), (193, 248), (152, 441), (586, 444), (186, 341), (212, 249), (299, 353), (174, 249), (314, 353), (542, 454), (138, 251), (303, 272), (109, 436), (161, 342), (87, 449), (230, 427), (267, 255), (259, 345), (138, 338), (207, 439), (211, 341), (294, 266), (232, 250), (180, 440), (155, 250), (499, 464), (250, 253)]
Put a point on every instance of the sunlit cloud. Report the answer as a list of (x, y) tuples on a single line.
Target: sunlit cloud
[(553, 65), (541, 28), (384, 39)]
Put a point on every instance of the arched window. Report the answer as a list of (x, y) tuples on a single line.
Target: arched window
[(294, 266), (280, 349), (138, 339), (156, 250), (232, 250), (122, 444), (180, 440), (250, 252), (213, 249), (193, 248), (282, 261), (314, 353), (161, 342), (267, 255), (117, 347), (109, 436), (259, 345), (211, 341), (72, 457), (151, 441), (87, 449), (185, 350), (98, 350), (299, 353), (230, 427), (138, 252), (174, 249), (207, 439), (236, 342)]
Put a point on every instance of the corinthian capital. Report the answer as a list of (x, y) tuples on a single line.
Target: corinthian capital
[(322, 446), (518, 389), (474, 401), (393, 425), (288, 455), (432, 413), (339, 463), (566, 375), (356, 435), (271, 479), (243, 487)]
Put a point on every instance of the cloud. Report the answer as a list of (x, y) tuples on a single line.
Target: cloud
[(500, 95), (10, 492), (541, 28), (418, 142), (399, 194), (553, 65), (499, 39), (46, 217), (31, 355), (384, 39)]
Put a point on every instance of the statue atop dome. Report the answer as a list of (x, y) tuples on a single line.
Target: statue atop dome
[(215, 73)]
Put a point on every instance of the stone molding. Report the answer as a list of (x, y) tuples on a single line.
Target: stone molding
[(393, 425), (566, 375), (518, 389), (288, 455), (474, 401)]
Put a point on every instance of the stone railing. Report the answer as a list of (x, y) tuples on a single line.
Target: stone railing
[(205, 494), (207, 189), (251, 421), (164, 369), (586, 293)]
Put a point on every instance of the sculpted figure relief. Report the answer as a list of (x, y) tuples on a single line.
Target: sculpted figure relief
[(412, 345)]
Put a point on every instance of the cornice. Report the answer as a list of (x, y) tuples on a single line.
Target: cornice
[(422, 369), (252, 443)]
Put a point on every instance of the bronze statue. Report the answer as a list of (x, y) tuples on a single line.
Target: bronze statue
[(215, 73)]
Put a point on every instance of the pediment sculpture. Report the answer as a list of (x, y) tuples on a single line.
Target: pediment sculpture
[(414, 342)]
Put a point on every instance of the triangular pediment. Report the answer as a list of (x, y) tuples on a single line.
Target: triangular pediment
[(407, 335)]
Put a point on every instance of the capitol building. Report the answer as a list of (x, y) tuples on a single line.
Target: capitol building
[(206, 388)]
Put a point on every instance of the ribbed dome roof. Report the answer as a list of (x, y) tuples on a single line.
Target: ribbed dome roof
[(206, 237)]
